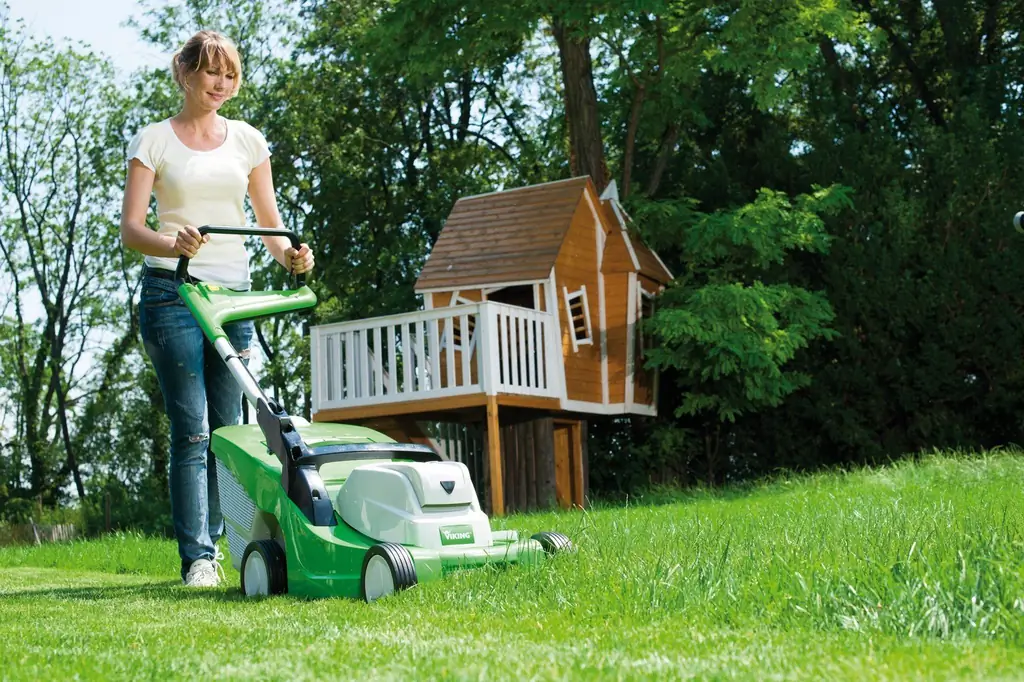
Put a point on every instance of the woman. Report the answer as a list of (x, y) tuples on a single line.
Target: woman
[(200, 165)]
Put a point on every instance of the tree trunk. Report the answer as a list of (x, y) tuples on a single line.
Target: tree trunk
[(639, 95), (668, 146), (465, 107), (586, 150), (65, 431)]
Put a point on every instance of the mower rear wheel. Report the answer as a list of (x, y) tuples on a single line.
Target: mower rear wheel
[(387, 568), (553, 542), (263, 569)]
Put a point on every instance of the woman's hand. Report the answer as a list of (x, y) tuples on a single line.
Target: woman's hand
[(188, 241), (299, 261)]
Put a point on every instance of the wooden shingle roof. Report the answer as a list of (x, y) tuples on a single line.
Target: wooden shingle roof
[(650, 264), (507, 236)]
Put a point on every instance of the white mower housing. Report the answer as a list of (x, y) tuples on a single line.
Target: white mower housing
[(426, 504)]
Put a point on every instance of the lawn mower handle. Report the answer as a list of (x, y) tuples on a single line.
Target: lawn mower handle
[(182, 271)]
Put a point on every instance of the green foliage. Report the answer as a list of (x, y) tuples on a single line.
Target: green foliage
[(730, 344), (771, 44), (727, 334), (728, 243), (801, 331)]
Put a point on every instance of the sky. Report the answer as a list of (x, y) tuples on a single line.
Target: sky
[(100, 23)]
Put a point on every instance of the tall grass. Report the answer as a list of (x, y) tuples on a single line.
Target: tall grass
[(933, 548)]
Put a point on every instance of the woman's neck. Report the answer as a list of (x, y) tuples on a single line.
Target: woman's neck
[(204, 121)]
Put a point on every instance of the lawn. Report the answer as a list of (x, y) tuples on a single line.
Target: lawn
[(913, 571)]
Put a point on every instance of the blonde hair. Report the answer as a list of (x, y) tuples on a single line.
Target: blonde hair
[(201, 50)]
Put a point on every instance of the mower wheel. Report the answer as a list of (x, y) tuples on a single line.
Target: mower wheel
[(553, 542), (387, 568), (263, 569)]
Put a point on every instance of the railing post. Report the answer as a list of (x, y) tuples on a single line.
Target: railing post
[(349, 358), (487, 355), (315, 359), (392, 362), (467, 349), (553, 366)]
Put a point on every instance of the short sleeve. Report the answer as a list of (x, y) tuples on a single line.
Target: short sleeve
[(259, 151), (141, 148)]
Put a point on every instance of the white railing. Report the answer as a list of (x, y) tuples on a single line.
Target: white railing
[(487, 348)]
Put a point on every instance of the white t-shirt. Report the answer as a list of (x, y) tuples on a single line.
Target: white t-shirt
[(203, 188)]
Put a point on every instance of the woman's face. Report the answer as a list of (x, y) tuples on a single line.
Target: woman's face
[(212, 85)]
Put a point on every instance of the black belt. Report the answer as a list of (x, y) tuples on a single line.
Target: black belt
[(167, 274)]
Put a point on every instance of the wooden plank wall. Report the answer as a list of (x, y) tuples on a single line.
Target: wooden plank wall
[(528, 464), (441, 299), (616, 287), (576, 266)]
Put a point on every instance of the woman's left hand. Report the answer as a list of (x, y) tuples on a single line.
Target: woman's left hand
[(299, 261)]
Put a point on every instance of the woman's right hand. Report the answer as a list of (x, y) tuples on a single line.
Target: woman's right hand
[(188, 241)]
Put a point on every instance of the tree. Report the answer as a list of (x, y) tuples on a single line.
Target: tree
[(56, 244)]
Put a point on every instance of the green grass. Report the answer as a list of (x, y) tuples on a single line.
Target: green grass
[(914, 571)]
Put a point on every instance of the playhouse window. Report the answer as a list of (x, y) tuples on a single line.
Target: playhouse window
[(645, 309), (577, 306)]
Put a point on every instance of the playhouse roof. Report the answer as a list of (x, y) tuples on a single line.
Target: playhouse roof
[(515, 236), (508, 236)]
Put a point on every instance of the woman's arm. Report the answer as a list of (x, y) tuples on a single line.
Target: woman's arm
[(134, 207), (264, 205)]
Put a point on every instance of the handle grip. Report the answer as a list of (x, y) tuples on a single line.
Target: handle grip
[(182, 270)]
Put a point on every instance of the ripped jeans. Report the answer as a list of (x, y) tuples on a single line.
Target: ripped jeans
[(200, 395)]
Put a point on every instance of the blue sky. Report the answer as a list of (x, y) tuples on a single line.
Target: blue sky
[(100, 23)]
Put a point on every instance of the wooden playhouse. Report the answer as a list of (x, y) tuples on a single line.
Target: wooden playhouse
[(531, 303)]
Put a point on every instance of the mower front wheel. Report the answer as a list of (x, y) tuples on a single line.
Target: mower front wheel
[(263, 569), (387, 568)]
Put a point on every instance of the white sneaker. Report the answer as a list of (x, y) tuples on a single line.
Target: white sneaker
[(205, 573)]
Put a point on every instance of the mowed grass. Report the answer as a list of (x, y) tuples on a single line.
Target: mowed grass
[(914, 571)]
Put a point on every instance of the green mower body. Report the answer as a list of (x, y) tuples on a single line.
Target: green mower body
[(325, 561)]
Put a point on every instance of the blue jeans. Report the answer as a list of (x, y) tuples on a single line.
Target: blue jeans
[(200, 395)]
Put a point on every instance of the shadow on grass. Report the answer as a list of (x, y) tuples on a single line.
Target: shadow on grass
[(170, 591)]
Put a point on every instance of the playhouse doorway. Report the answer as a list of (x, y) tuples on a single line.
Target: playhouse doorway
[(568, 451), (521, 295)]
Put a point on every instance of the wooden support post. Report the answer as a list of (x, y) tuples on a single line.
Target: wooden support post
[(577, 464), (494, 456)]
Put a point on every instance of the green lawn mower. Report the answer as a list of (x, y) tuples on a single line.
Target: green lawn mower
[(324, 510)]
